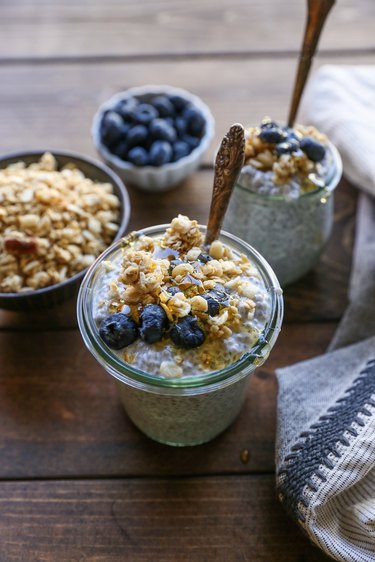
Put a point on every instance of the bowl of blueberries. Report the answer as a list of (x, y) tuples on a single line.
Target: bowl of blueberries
[(153, 136)]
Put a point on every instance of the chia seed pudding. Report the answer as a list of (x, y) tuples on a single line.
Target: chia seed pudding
[(181, 326), (282, 203)]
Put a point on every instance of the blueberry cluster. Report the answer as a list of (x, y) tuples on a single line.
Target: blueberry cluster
[(152, 130), (119, 330), (287, 142)]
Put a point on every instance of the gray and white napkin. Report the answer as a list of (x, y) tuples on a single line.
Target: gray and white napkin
[(326, 406)]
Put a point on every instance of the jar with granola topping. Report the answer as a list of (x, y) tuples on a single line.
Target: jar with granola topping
[(282, 203), (180, 326)]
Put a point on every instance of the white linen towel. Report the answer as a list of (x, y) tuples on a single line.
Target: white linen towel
[(325, 452)]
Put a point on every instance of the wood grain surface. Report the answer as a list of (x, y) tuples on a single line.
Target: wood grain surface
[(46, 28), (52, 106), (61, 416), (145, 520), (78, 482)]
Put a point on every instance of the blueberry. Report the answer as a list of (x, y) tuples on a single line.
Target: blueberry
[(313, 149), (180, 149), (153, 321), (195, 121), (127, 109), (193, 142), (136, 135), (271, 135), (178, 102), (268, 124), (175, 262), (160, 129), (138, 156), (173, 290), (160, 153), (111, 128), (213, 305), (125, 128), (219, 294), (204, 258), (186, 333), (196, 128), (290, 134), (169, 120), (283, 148), (163, 106), (180, 124), (145, 113), (294, 144), (118, 330), (190, 112), (121, 149), (287, 147)]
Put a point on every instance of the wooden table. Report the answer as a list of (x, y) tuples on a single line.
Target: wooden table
[(78, 481)]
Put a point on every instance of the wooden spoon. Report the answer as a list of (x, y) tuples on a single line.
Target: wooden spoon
[(317, 12), (228, 164)]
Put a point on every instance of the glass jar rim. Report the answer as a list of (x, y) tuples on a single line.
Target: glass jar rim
[(125, 372), (332, 182)]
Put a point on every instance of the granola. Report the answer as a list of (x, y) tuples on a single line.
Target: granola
[(210, 304), (53, 223), (280, 159)]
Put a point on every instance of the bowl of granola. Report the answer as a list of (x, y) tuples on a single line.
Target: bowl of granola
[(58, 213)]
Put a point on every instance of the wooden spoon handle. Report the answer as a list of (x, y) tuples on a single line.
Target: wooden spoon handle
[(228, 164), (317, 13)]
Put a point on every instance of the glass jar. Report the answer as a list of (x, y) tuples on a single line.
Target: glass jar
[(192, 409), (290, 233)]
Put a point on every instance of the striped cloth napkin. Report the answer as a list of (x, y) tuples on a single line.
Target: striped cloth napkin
[(326, 406)]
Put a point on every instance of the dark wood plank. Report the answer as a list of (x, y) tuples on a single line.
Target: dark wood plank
[(226, 519), (44, 28), (320, 295), (60, 415), (52, 107)]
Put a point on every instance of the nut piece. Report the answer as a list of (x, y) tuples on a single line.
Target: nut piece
[(199, 304), (216, 250), (53, 223), (183, 234), (19, 247), (29, 221), (170, 370), (193, 254), (177, 307), (182, 269), (213, 268)]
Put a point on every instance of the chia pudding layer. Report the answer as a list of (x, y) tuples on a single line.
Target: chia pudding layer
[(282, 203), (184, 372)]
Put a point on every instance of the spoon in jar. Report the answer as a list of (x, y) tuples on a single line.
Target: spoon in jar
[(228, 164), (317, 12)]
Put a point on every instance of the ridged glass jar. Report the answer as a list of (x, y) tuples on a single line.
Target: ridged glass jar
[(291, 234), (192, 409)]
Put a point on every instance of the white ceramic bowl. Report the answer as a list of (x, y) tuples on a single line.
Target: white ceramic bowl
[(152, 178)]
